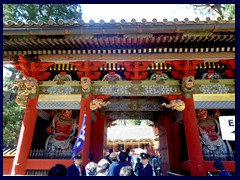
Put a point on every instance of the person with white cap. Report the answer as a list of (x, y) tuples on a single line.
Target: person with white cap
[(102, 167), (113, 158), (91, 169)]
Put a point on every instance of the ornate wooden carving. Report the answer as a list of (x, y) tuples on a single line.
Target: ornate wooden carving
[(88, 69), (136, 70), (33, 69), (187, 86), (184, 67), (176, 104), (26, 88), (231, 64)]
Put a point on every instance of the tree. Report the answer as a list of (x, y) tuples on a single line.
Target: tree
[(44, 12), (222, 10), (12, 113)]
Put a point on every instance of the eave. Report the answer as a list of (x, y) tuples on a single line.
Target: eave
[(71, 38)]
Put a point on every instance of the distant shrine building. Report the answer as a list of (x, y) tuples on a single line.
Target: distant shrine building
[(178, 74)]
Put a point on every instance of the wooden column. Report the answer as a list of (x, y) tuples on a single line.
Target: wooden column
[(97, 137), (163, 142), (105, 135), (25, 138), (196, 161), (176, 147), (85, 109), (169, 145)]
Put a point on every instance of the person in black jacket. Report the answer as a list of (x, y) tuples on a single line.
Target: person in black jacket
[(138, 166), (108, 156), (76, 169), (58, 170), (147, 169)]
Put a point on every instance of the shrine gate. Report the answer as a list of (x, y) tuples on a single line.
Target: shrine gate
[(163, 71)]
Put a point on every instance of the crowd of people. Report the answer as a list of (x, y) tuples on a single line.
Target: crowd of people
[(114, 164), (120, 164)]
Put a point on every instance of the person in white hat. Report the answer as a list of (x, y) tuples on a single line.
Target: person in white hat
[(113, 158), (103, 167)]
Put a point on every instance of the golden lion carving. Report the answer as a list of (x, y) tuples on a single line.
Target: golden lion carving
[(25, 88), (176, 104)]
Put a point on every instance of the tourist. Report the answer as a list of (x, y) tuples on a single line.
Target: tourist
[(147, 169), (103, 167), (107, 157), (138, 166), (58, 170), (122, 157), (155, 164), (129, 159), (219, 166), (91, 169), (126, 171), (76, 169), (113, 158)]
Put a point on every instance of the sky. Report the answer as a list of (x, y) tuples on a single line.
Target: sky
[(137, 11), (117, 12)]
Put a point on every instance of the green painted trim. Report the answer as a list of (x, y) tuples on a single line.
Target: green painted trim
[(138, 86)]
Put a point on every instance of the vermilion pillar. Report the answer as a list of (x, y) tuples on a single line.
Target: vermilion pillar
[(85, 109), (25, 138), (196, 161), (163, 142), (97, 137), (169, 143), (176, 142)]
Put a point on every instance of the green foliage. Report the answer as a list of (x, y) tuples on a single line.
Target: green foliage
[(229, 10), (12, 118), (131, 122), (223, 10), (12, 113), (8, 86), (42, 12)]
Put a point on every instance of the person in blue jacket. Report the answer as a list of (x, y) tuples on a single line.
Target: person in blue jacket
[(147, 169), (122, 157), (219, 166), (76, 169)]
